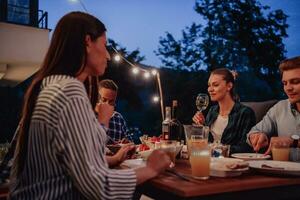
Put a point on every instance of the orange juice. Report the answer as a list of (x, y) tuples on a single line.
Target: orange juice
[(200, 165), (201, 143), (280, 153), (200, 159)]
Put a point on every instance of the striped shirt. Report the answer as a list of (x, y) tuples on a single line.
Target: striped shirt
[(65, 155)]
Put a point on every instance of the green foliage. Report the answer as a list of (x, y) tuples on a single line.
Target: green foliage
[(241, 35)]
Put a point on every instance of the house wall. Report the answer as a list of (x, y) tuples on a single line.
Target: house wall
[(22, 44), (22, 50)]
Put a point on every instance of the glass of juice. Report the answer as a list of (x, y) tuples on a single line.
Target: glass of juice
[(200, 130), (199, 157), (280, 151)]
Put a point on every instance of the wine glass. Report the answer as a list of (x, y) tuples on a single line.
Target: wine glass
[(202, 102)]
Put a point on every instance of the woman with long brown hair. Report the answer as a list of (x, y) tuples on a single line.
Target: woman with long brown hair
[(60, 147), (229, 121)]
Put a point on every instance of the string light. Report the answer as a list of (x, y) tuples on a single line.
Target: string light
[(153, 72), (117, 58), (135, 70), (146, 75), (155, 99), (81, 3)]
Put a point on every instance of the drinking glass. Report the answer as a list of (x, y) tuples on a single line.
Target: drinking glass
[(169, 146), (200, 157), (190, 130), (280, 151), (202, 102), (219, 150)]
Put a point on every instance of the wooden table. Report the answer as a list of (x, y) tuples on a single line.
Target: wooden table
[(248, 186)]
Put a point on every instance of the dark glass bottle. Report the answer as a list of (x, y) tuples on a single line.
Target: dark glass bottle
[(175, 125), (166, 124)]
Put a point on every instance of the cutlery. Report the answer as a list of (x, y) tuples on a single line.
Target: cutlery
[(270, 167), (181, 176)]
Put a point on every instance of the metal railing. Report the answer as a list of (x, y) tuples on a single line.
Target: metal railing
[(43, 19)]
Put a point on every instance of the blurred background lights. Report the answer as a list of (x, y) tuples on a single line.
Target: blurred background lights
[(155, 98), (146, 75), (135, 70), (153, 72), (117, 58)]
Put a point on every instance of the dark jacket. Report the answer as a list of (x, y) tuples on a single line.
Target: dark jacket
[(241, 120)]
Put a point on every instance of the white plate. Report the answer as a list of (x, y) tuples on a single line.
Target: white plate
[(276, 167), (251, 156), (134, 163), (218, 167)]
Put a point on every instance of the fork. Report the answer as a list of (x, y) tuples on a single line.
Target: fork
[(181, 176)]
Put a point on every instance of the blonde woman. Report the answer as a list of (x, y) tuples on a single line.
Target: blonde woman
[(229, 121)]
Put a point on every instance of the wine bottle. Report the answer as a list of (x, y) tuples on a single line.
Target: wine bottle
[(175, 125), (166, 124)]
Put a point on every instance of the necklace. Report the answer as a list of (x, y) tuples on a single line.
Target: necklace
[(224, 115)]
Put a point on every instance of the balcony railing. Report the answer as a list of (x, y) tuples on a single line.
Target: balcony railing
[(43, 19)]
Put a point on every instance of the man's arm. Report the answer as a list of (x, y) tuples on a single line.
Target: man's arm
[(261, 133)]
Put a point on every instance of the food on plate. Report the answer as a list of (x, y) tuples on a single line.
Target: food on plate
[(150, 141), (143, 147), (237, 165)]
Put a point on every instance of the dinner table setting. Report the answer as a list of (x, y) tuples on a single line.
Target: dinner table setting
[(228, 176)]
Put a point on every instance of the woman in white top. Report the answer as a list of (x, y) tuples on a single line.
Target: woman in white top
[(60, 147), (229, 120)]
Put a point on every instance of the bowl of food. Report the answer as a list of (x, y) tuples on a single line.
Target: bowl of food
[(170, 143), (149, 141)]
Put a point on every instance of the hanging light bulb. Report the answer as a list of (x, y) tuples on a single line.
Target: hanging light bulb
[(153, 72), (117, 58), (146, 75), (155, 99), (135, 70)]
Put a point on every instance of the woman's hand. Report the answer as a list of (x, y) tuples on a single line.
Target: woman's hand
[(157, 163), (199, 118), (121, 155)]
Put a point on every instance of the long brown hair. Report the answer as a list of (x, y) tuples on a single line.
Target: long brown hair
[(229, 77), (66, 56), (91, 86)]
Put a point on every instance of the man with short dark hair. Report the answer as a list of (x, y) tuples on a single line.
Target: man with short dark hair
[(283, 119), (117, 131)]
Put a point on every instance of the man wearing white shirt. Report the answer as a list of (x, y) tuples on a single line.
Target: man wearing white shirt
[(283, 119)]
